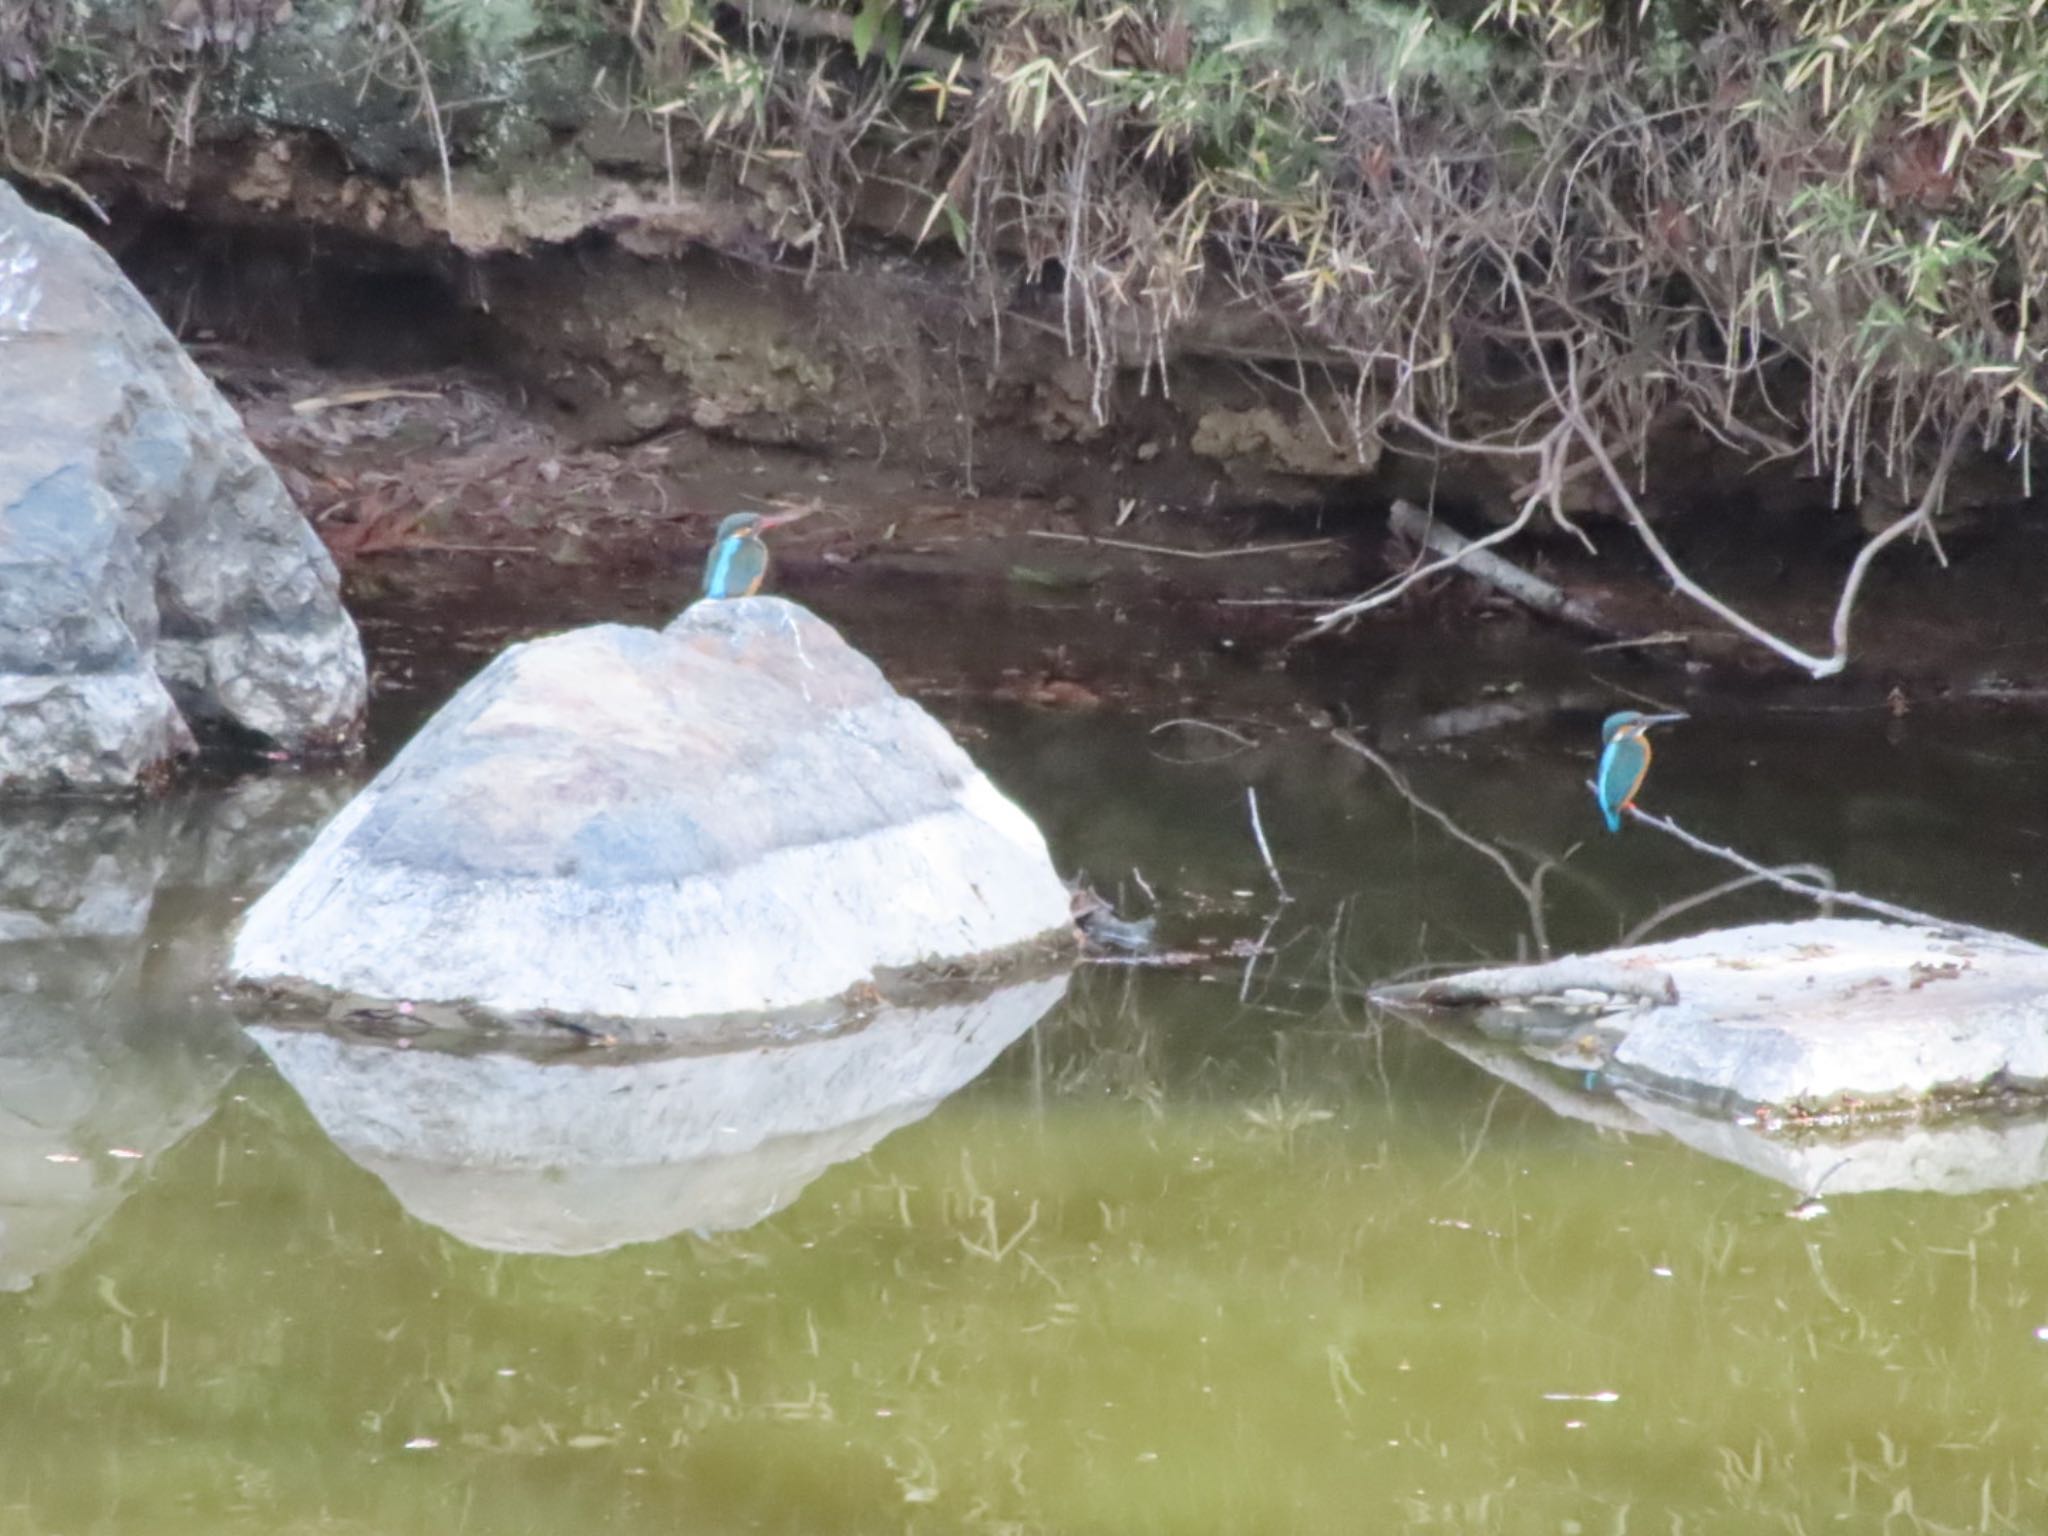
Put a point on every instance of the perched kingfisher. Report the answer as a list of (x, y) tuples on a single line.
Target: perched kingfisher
[(739, 560), (1624, 759)]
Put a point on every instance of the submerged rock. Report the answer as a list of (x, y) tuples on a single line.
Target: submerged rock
[(581, 1153), (1827, 1015), (153, 570), (734, 813)]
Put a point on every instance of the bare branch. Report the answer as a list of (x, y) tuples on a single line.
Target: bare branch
[(1800, 888), (1921, 517), (1815, 666)]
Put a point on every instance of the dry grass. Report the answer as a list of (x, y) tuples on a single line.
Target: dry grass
[(1812, 231)]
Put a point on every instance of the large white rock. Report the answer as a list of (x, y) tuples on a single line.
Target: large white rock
[(1825, 1014), (735, 813)]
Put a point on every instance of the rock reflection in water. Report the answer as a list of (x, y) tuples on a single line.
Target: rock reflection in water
[(112, 1044), (1956, 1153), (1959, 1154), (582, 1153)]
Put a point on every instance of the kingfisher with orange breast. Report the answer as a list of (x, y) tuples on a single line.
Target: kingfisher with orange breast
[(1624, 760), (739, 559)]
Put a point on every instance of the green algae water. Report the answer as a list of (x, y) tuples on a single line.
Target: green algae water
[(1203, 1248)]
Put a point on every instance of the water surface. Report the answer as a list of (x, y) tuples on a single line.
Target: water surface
[(1209, 1249)]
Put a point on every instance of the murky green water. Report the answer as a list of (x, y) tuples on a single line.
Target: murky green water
[(1201, 1250)]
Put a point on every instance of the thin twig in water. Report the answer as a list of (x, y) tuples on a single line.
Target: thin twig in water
[(1251, 797), (1642, 642), (1179, 554), (1207, 725)]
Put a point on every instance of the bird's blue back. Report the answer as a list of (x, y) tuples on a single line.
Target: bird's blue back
[(735, 567), (1623, 762), (717, 568)]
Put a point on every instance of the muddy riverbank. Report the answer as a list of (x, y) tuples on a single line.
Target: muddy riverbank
[(442, 493)]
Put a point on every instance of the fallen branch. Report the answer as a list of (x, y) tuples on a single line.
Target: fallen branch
[(1387, 593), (368, 395), (1504, 576)]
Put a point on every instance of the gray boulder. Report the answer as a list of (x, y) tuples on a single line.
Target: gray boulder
[(153, 570), (736, 813)]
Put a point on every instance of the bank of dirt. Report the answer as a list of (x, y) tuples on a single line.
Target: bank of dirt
[(459, 512)]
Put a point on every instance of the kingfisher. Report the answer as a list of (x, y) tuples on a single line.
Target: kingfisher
[(1624, 759), (739, 560)]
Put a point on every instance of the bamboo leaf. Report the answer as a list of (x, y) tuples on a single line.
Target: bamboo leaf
[(867, 26)]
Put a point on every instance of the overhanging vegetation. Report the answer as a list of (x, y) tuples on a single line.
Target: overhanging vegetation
[(1543, 230)]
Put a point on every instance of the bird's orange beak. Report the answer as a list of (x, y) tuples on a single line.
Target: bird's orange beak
[(778, 519)]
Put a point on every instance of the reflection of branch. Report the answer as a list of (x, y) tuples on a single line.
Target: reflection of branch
[(1530, 890), (1815, 892), (1521, 708)]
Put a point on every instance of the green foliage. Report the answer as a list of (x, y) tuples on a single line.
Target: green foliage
[(1813, 226), (483, 30), (1719, 207)]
